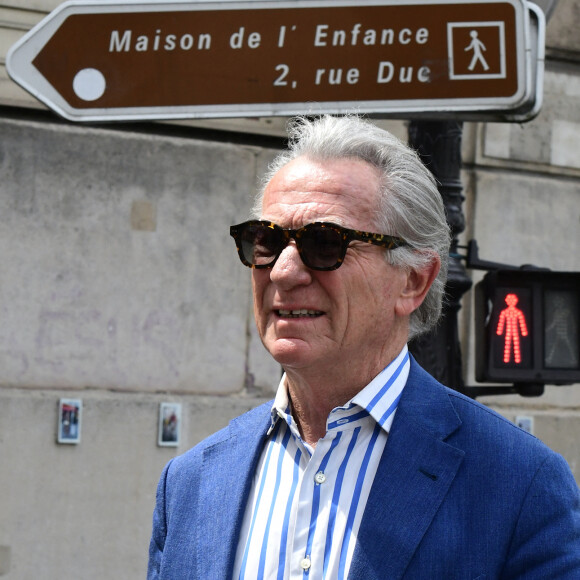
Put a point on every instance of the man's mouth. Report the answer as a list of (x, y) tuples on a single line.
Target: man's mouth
[(301, 313)]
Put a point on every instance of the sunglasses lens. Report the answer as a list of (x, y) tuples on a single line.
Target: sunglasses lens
[(260, 244), (321, 247)]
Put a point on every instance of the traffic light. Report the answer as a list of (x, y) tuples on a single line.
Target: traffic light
[(527, 325)]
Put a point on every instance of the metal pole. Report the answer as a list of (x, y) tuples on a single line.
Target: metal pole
[(439, 146)]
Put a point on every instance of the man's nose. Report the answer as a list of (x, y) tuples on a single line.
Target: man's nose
[(289, 269)]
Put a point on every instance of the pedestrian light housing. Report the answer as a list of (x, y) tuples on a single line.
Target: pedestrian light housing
[(527, 325)]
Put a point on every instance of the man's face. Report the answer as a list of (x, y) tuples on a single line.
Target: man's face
[(311, 319)]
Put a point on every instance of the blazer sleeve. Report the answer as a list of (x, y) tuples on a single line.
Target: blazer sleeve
[(546, 539), (159, 533)]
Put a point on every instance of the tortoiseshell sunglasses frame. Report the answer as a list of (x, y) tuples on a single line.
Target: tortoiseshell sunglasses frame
[(346, 236)]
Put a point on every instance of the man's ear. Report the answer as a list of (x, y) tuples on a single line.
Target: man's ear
[(417, 285)]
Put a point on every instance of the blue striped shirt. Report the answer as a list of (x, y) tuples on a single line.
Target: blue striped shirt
[(306, 504)]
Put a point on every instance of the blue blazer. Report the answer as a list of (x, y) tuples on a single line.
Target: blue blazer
[(460, 493)]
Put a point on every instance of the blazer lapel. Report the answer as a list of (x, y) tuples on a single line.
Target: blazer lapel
[(413, 477), (230, 465)]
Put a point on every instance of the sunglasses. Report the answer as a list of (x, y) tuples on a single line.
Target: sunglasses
[(321, 245)]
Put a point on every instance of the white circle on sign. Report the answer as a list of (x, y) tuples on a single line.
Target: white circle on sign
[(89, 84)]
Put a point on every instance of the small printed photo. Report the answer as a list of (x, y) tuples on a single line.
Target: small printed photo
[(69, 420), (169, 424)]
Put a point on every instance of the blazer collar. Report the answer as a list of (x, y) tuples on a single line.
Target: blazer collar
[(413, 477)]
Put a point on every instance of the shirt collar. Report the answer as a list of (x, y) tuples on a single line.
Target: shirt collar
[(281, 409), (379, 398)]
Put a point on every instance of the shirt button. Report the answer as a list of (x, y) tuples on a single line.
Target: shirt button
[(320, 477), (305, 563)]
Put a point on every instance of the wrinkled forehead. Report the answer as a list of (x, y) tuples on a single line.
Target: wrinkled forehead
[(344, 191)]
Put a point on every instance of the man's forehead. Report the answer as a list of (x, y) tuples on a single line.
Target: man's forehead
[(306, 191), (349, 171), (294, 215)]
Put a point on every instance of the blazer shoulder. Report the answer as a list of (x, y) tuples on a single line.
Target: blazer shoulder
[(248, 424), (488, 420), (481, 429)]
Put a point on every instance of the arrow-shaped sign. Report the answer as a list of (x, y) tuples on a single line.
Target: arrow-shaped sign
[(110, 60)]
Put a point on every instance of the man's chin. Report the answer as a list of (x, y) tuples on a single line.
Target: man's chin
[(291, 352)]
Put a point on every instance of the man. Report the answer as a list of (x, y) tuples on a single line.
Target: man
[(364, 467)]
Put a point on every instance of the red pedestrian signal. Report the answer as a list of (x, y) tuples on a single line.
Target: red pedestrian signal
[(511, 322), (527, 327)]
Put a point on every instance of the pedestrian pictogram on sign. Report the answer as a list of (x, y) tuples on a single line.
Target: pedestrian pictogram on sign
[(477, 50), (477, 47)]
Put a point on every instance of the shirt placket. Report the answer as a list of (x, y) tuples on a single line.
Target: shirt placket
[(314, 496)]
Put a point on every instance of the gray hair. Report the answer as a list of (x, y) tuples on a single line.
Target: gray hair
[(410, 205)]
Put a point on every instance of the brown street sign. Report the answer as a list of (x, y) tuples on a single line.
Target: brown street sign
[(110, 60)]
